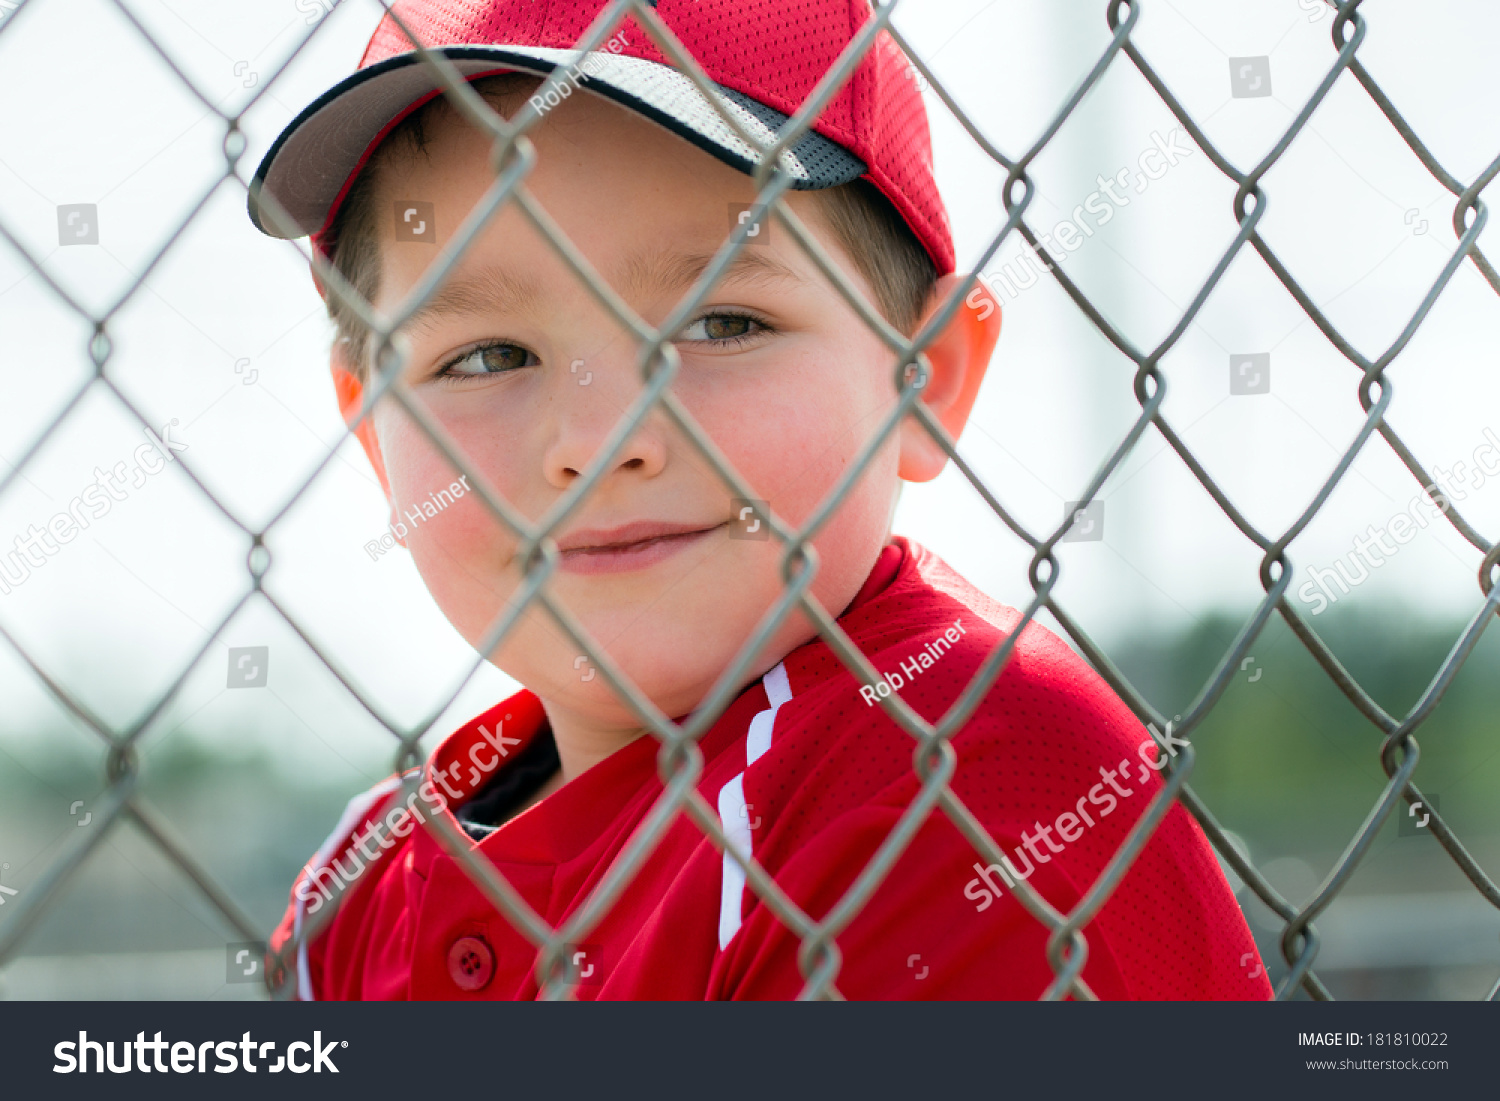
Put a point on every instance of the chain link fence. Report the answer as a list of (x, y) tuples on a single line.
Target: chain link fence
[(680, 760)]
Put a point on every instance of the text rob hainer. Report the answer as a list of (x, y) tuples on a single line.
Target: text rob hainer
[(919, 662)]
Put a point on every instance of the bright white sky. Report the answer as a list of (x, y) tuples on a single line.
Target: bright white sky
[(96, 117)]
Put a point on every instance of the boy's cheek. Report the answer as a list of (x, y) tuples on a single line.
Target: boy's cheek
[(466, 535), (777, 450)]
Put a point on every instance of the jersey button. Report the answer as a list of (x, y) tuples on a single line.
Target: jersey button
[(471, 964)]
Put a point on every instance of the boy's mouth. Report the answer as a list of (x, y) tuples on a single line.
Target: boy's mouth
[(631, 547)]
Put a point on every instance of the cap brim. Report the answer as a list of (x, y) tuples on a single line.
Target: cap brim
[(311, 163)]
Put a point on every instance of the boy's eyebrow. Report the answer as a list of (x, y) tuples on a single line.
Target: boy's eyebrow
[(673, 269), (664, 269), (475, 293)]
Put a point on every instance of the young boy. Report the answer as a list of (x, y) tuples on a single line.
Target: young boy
[(528, 375)]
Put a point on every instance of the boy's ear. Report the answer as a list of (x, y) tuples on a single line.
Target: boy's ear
[(958, 357), (351, 395)]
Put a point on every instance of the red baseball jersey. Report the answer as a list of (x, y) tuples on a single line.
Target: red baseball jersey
[(809, 775)]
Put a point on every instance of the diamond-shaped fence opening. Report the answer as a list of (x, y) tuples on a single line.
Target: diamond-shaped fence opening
[(563, 952)]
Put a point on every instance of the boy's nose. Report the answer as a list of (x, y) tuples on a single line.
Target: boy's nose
[(591, 402)]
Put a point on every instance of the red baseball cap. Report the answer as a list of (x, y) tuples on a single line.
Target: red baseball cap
[(764, 57)]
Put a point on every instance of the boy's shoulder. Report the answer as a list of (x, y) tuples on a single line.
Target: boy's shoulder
[(1047, 750), (1040, 731), (930, 633)]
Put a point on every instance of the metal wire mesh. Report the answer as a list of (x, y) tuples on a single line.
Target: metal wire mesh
[(680, 759)]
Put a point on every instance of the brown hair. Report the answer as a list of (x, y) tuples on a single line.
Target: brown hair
[(863, 221)]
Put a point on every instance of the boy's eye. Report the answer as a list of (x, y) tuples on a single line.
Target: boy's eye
[(723, 327), (488, 359)]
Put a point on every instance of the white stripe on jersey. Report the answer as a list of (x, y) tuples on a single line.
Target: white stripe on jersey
[(734, 815)]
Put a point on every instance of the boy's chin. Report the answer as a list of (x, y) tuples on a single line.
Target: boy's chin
[(599, 703), (672, 652)]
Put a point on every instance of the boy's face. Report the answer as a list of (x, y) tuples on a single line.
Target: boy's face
[(530, 376)]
